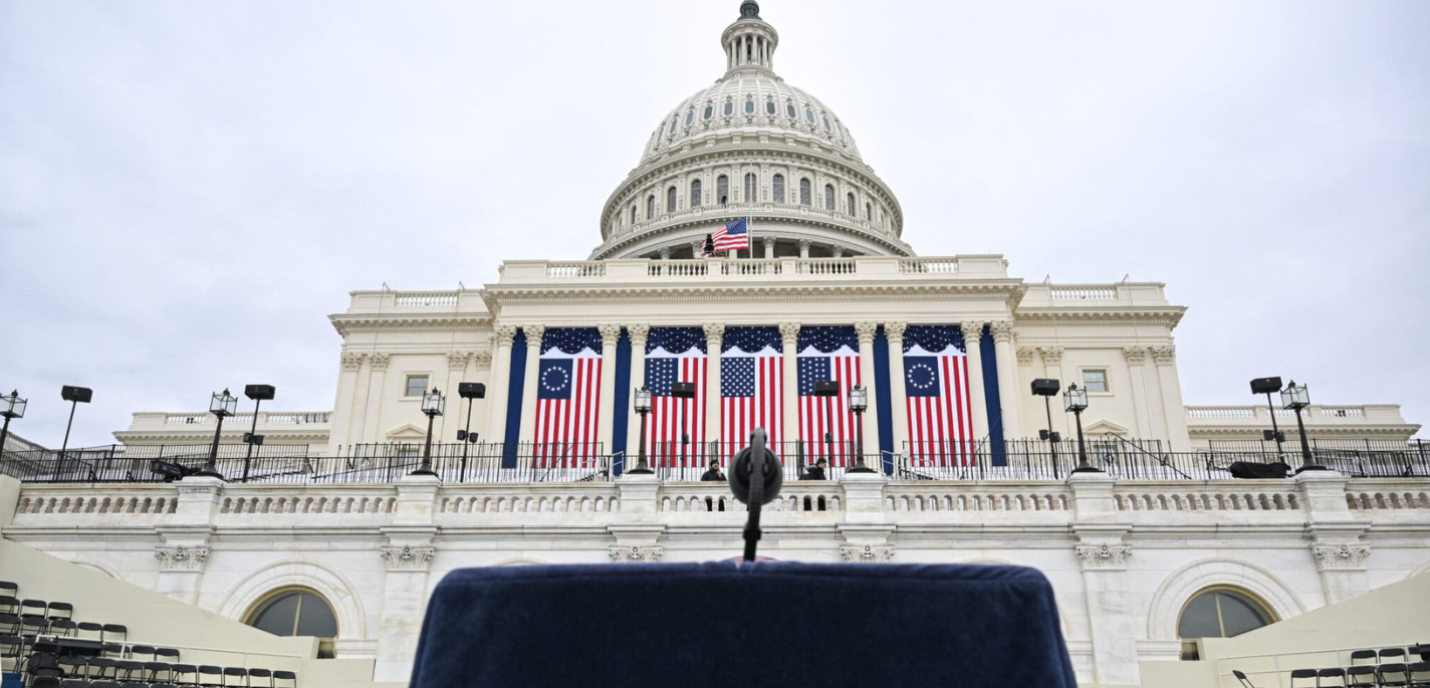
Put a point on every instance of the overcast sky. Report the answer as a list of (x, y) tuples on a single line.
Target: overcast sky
[(188, 189)]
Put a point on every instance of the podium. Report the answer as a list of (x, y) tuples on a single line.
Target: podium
[(762, 624)]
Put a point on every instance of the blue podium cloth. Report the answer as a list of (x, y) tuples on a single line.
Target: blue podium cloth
[(767, 624)]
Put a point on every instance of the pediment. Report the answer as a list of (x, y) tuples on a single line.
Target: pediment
[(1105, 427), (407, 433)]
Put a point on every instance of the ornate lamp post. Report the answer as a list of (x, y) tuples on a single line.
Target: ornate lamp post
[(259, 394), (433, 403), (10, 407), (643, 408), (471, 391), (1075, 400), (1297, 397), (1046, 389), (859, 403), (222, 406)]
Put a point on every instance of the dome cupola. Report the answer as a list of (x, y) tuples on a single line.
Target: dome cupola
[(750, 43)]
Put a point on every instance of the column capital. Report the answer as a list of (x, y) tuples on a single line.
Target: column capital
[(379, 359), (639, 334), (665, 253), (895, 331), (482, 359), (503, 334), (1164, 355), (867, 553), (534, 333), (789, 332), (1002, 331), (972, 332), (1136, 355), (1052, 355), (866, 331), (805, 244), (352, 360), (457, 360), (610, 334), (648, 553), (1025, 355), (769, 241), (714, 332)]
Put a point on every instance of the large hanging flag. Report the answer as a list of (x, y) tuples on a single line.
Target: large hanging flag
[(735, 235), (936, 386), (568, 390), (751, 387), (675, 433), (827, 353)]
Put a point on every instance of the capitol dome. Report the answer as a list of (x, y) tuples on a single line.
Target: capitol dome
[(751, 145)]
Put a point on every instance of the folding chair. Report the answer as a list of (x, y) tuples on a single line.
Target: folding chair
[(89, 630), (158, 672), (60, 610), (1420, 674), (133, 684), (10, 657), (100, 668), (128, 670), (166, 654), (1245, 682), (1331, 678), (1303, 675), (9, 624), (186, 675), (235, 676), (47, 682), (112, 630), (1364, 657), (1395, 674), (104, 684), (9, 604), (260, 674), (9, 589), (141, 653), (210, 676), (74, 683), (1392, 655), (288, 676), (34, 608), (63, 627), (74, 665), (1423, 650), (32, 626), (1362, 676)]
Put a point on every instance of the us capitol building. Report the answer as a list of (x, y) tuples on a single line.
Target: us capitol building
[(1159, 548)]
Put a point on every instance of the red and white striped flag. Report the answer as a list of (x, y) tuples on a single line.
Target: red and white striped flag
[(568, 399)]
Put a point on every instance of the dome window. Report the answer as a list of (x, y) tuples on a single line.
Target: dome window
[(674, 123), (770, 107), (689, 118), (729, 108), (633, 213), (826, 123), (709, 111), (751, 187), (695, 194), (650, 207), (829, 197), (779, 188), (868, 212), (722, 190), (804, 192), (749, 106), (848, 204), (809, 114), (789, 110), (670, 200)]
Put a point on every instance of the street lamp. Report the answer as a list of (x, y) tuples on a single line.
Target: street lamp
[(1270, 386), (1075, 400), (859, 403), (643, 408), (221, 405), (1047, 389), (433, 403), (259, 394), (76, 396), (828, 389), (1297, 397), (471, 391), (10, 407)]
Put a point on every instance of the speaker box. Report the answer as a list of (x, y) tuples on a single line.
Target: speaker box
[(1044, 387), (1266, 385), (826, 388), (682, 390), (259, 392), (472, 390), (79, 394)]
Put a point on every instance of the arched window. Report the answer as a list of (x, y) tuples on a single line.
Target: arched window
[(729, 108), (849, 205), (868, 212), (749, 106), (789, 110), (709, 111), (650, 207), (722, 190), (770, 106), (804, 192), (633, 213), (673, 122), (670, 200), (779, 188), (695, 195), (751, 188), (809, 114), (826, 123), (1223, 612), (294, 612), (829, 197)]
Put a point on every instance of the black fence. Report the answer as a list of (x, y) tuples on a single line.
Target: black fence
[(689, 462)]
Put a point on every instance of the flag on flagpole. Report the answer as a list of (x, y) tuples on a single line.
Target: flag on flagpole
[(733, 236)]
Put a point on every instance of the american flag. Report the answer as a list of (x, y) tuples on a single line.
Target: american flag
[(568, 389), (675, 354), (936, 386), (735, 235), (827, 353), (751, 387)]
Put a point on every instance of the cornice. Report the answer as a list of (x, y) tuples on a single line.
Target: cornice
[(1103, 315), (1251, 428), (346, 324), (1008, 290)]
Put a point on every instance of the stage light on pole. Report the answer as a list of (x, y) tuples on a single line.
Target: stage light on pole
[(259, 394), (1047, 389), (11, 406), (859, 403), (433, 404), (829, 389), (471, 391), (76, 396), (1297, 397), (1075, 400), (1270, 386), (643, 408), (222, 405)]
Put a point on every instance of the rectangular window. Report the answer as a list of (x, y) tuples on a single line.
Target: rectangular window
[(1094, 380), (416, 385)]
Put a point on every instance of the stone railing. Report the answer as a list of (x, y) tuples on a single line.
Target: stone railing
[(243, 421), (1264, 495), (1253, 414), (719, 269), (921, 497)]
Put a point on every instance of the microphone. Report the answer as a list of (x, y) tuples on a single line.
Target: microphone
[(755, 478)]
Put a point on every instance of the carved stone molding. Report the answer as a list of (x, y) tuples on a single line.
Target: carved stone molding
[(972, 333), (1341, 557), (1108, 557), (482, 359), (639, 335), (866, 331), (181, 558), (769, 241), (1025, 355), (1164, 355), (867, 554), (352, 360), (665, 252), (457, 360), (407, 557), (895, 332), (714, 332), (610, 334), (379, 360), (1052, 355), (789, 332), (1135, 355), (649, 553), (534, 333), (1002, 330), (502, 335)]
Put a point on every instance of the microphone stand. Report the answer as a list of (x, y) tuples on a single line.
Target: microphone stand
[(757, 492)]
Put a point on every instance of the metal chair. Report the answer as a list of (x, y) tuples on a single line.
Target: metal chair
[(60, 610), (1245, 682), (288, 676), (235, 676), (210, 676), (1419, 674), (263, 674), (112, 630), (141, 653), (1364, 657), (1395, 674), (1362, 676), (1331, 678), (9, 604), (1303, 674), (9, 589), (186, 670)]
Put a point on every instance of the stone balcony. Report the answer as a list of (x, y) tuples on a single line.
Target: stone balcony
[(285, 427), (1374, 422)]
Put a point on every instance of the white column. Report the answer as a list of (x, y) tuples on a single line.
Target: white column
[(346, 403), (665, 253), (789, 337), (638, 333), (972, 339), (714, 338), (866, 332), (377, 362), (769, 248), (610, 334), (1136, 358), (534, 333), (1177, 434), (898, 396), (1026, 374), (1053, 363), (1338, 544), (456, 374), (804, 248), (500, 384), (837, 251), (1007, 378), (408, 557)]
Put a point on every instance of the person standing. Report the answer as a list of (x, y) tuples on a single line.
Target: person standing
[(816, 472), (714, 474)]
